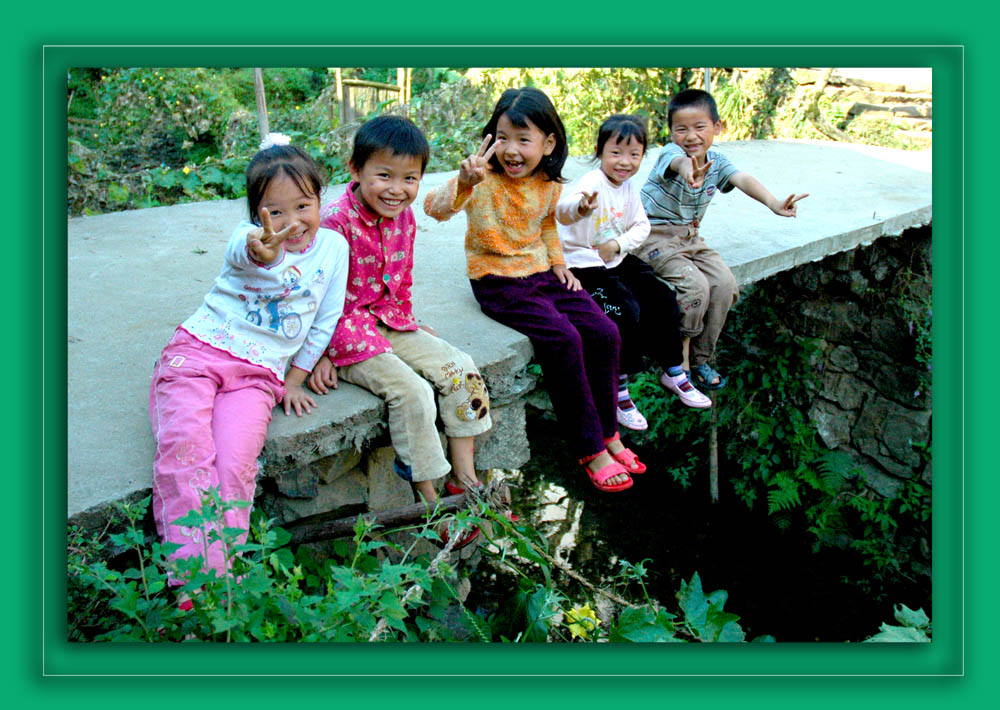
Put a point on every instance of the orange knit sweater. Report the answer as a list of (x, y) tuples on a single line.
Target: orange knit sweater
[(512, 226)]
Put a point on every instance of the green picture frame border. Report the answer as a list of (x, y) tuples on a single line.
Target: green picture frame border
[(945, 657)]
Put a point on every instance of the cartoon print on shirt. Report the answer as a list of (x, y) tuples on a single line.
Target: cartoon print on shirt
[(281, 316), (607, 224)]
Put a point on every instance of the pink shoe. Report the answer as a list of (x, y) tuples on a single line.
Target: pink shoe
[(682, 387), (632, 418)]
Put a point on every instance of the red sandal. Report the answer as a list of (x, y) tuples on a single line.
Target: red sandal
[(628, 459), (599, 478), (464, 540)]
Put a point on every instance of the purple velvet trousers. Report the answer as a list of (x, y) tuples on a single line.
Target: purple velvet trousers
[(576, 345)]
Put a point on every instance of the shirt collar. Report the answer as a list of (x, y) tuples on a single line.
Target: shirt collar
[(366, 214)]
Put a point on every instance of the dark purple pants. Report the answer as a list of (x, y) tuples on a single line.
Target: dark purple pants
[(576, 345), (644, 309)]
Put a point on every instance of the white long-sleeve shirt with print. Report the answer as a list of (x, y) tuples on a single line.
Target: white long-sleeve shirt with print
[(276, 314), (619, 215)]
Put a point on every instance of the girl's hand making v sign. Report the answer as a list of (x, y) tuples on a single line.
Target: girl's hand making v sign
[(587, 204), (473, 169), (264, 243)]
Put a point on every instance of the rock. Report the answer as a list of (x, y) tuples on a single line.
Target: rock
[(505, 445), (842, 261), (832, 423), (886, 432), (844, 389), (386, 490), (843, 358), (331, 468), (836, 321), (350, 489), (858, 284), (891, 336), (906, 385), (885, 485), (806, 279)]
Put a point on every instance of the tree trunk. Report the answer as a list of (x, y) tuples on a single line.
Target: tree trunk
[(816, 118)]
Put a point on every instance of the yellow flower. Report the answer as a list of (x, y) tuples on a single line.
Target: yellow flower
[(186, 170), (296, 108), (581, 620)]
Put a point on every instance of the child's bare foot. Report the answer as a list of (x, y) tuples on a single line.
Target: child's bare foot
[(604, 459), (625, 457)]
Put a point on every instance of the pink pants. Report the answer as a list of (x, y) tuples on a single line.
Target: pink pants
[(209, 412)]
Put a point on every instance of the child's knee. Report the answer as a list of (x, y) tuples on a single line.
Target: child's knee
[(726, 289), (473, 401), (415, 396)]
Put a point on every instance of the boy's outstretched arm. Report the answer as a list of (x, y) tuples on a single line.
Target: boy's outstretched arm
[(752, 187)]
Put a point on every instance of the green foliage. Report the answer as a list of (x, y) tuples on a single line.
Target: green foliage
[(287, 594), (585, 97), (915, 628), (282, 595), (141, 137), (748, 100), (451, 114), (771, 452)]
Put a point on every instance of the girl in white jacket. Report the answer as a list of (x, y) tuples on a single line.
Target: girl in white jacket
[(601, 220)]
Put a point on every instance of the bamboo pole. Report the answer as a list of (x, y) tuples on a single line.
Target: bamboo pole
[(713, 451), (258, 87), (339, 74)]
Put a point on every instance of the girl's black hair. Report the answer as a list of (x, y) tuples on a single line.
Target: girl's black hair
[(394, 133), (692, 98), (530, 104), (280, 160), (624, 126)]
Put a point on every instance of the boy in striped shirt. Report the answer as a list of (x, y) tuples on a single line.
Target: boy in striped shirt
[(685, 178)]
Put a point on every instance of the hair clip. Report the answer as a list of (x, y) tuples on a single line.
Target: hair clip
[(273, 139)]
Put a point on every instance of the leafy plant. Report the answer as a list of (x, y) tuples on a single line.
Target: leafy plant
[(915, 627), (367, 589), (282, 595)]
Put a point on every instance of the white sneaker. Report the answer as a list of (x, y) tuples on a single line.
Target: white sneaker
[(691, 397), (632, 418)]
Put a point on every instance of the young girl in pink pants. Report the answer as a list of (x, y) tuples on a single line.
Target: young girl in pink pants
[(275, 303)]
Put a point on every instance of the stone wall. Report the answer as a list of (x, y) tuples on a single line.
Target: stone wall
[(297, 483), (870, 311)]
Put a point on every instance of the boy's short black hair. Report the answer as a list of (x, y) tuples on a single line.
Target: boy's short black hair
[(393, 133), (535, 106), (624, 126), (280, 160), (692, 98)]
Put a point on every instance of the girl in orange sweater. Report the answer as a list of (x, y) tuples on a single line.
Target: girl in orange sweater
[(509, 189)]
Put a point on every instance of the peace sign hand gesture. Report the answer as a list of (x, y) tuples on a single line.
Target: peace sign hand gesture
[(787, 208), (698, 172), (473, 169), (588, 203), (263, 243)]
